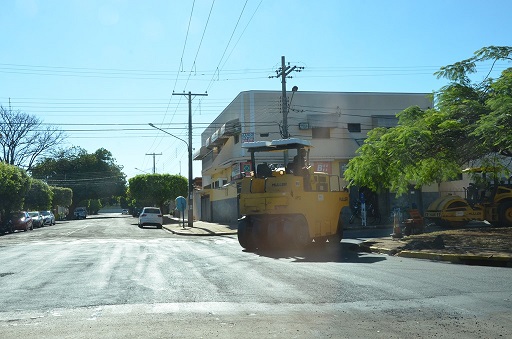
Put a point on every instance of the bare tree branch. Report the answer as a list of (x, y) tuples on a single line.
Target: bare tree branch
[(23, 138)]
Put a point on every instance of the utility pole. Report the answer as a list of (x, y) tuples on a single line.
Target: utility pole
[(284, 72), (154, 154), (190, 179)]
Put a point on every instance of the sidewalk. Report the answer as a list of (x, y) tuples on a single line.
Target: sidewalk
[(175, 225), (412, 248), (383, 245), (200, 228)]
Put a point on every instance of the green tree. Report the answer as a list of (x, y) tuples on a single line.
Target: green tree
[(14, 183), (39, 196), (470, 122), (94, 206), (156, 189), (494, 127), (62, 196), (90, 175)]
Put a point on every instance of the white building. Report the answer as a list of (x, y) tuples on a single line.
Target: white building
[(336, 123)]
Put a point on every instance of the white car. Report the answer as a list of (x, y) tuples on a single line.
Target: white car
[(151, 216)]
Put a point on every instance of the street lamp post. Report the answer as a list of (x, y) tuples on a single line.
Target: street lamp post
[(190, 183)]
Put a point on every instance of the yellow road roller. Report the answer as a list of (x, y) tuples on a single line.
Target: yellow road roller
[(492, 203), (289, 206)]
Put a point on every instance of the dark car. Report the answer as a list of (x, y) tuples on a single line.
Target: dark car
[(37, 219), (20, 221), (136, 212), (80, 213), (48, 217)]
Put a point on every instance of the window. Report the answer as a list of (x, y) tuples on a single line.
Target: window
[(355, 128), (321, 132)]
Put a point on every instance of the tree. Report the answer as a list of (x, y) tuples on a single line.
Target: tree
[(156, 189), (62, 196), (492, 98), (39, 197), (470, 122), (24, 138), (90, 176), (14, 183), (95, 205), (494, 128)]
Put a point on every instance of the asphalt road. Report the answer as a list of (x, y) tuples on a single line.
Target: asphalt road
[(103, 277)]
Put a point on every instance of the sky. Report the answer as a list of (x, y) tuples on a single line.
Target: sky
[(102, 70)]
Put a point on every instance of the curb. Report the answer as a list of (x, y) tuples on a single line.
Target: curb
[(459, 258), (470, 259), (202, 234)]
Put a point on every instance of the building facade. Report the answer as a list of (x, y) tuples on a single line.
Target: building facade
[(336, 123)]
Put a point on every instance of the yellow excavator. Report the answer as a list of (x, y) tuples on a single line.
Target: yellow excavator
[(486, 201), (289, 206)]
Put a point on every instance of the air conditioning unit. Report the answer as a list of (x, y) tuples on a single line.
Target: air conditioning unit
[(220, 182), (304, 125)]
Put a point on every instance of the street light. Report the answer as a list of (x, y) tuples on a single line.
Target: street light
[(190, 184)]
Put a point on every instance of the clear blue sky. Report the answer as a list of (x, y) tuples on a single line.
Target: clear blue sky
[(101, 70)]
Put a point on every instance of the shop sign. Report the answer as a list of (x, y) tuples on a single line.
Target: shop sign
[(322, 166)]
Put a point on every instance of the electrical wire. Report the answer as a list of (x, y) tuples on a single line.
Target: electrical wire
[(227, 45)]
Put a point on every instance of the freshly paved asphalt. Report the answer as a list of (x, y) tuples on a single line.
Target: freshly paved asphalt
[(384, 245)]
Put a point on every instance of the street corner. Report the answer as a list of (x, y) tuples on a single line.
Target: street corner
[(402, 248), (382, 246)]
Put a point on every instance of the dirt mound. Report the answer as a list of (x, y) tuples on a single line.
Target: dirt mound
[(471, 240)]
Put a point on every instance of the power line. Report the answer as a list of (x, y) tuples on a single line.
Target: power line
[(176, 79), (200, 44), (227, 45), (245, 28), (330, 71), (154, 155)]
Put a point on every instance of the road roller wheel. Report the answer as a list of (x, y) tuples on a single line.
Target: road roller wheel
[(505, 214), (245, 234)]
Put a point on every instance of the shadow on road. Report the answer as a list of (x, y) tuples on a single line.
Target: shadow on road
[(340, 253)]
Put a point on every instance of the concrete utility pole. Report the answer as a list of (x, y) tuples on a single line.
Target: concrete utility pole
[(154, 154), (284, 72), (190, 179)]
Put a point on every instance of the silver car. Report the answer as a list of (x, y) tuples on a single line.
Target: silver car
[(48, 217), (151, 216)]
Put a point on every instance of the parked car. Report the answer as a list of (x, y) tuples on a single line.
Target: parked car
[(48, 217), (37, 219), (5, 224), (151, 216), (136, 212), (20, 221), (125, 211), (80, 213)]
